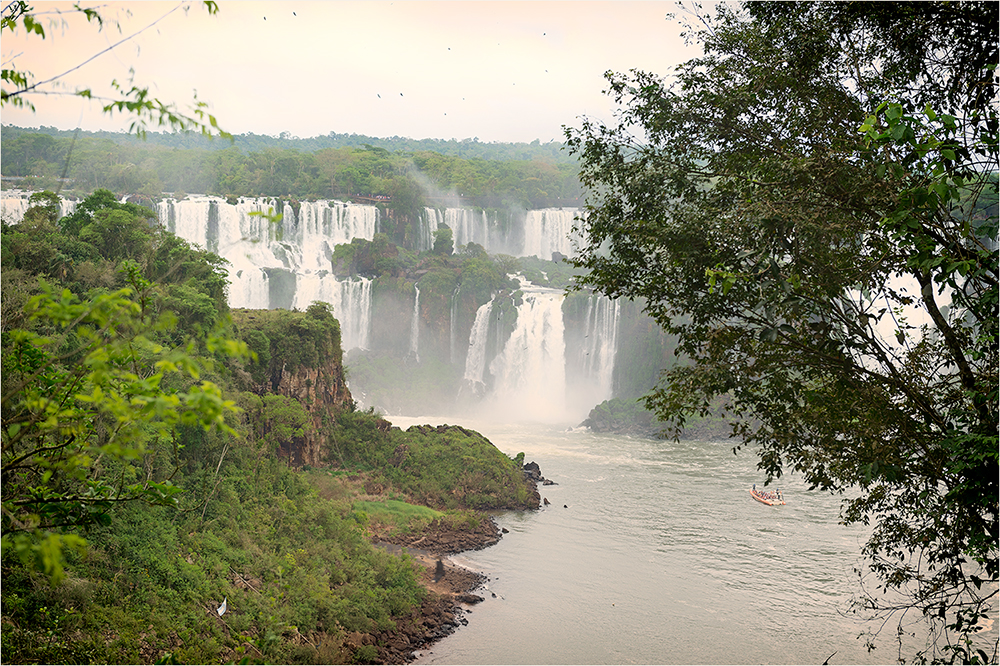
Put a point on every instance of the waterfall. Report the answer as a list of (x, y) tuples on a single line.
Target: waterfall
[(468, 226), (415, 325), (430, 221), (475, 362), (547, 231), (453, 331), (600, 344), (14, 205), (498, 232), (352, 306), (530, 372), (320, 225), (520, 233), (272, 264)]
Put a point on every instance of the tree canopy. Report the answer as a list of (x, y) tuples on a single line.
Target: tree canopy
[(810, 208)]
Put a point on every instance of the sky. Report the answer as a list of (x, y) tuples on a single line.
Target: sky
[(496, 71)]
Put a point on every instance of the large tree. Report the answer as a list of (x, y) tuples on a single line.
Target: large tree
[(810, 207)]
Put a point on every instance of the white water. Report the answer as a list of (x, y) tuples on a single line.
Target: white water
[(475, 361), (526, 233), (601, 344), (14, 204), (530, 372), (352, 306), (549, 230), (297, 249), (415, 325)]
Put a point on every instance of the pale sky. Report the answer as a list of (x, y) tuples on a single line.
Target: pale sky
[(499, 71)]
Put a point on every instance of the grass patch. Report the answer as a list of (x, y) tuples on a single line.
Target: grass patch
[(402, 516)]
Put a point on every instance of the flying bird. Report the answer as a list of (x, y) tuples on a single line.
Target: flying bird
[(221, 610)]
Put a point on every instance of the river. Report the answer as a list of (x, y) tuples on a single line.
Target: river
[(654, 552)]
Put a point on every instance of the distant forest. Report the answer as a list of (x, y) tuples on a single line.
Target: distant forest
[(405, 172)]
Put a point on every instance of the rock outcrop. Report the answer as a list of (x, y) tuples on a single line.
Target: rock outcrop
[(322, 391), (298, 356)]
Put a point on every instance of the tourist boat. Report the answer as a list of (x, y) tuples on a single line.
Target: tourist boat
[(769, 497)]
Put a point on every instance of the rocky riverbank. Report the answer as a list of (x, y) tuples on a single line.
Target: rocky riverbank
[(451, 589)]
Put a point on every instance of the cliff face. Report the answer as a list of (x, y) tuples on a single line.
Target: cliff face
[(298, 356), (322, 391)]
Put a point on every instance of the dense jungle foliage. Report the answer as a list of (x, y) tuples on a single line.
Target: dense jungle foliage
[(401, 178), (145, 449)]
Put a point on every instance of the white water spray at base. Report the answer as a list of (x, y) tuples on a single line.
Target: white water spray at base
[(530, 372)]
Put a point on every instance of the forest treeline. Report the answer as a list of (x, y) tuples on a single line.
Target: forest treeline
[(468, 148), (407, 174), (163, 454)]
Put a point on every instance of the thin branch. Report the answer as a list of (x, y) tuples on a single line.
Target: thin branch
[(32, 87)]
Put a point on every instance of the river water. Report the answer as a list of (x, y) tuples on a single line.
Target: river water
[(654, 552)]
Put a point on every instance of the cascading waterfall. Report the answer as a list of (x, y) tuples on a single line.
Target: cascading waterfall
[(544, 231), (281, 264), (475, 362), (352, 306), (468, 226), (601, 344), (286, 264), (530, 372), (453, 329), (547, 231), (14, 204), (329, 223), (430, 221), (415, 325)]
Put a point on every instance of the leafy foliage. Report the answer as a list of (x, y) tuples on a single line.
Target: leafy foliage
[(88, 391), (286, 341), (803, 208), (443, 468), (144, 461)]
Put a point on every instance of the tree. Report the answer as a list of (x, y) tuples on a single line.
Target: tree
[(133, 100), (801, 208), (86, 420), (444, 242)]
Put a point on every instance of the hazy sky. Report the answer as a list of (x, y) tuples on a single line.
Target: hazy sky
[(499, 71)]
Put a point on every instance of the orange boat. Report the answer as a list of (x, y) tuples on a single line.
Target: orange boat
[(769, 497)]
